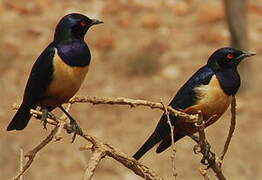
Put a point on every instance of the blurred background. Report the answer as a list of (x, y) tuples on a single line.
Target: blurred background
[(144, 50)]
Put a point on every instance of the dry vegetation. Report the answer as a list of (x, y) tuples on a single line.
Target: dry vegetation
[(143, 51)]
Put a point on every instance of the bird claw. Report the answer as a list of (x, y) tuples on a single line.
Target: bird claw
[(208, 156), (44, 117), (74, 128), (46, 114), (196, 149)]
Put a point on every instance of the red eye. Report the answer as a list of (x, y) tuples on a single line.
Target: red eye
[(82, 23), (230, 56)]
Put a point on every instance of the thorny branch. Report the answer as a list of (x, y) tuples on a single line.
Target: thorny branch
[(231, 129), (95, 159), (101, 150), (133, 103), (54, 135), (105, 149), (215, 162), (172, 140), (212, 160), (31, 154), (21, 162)]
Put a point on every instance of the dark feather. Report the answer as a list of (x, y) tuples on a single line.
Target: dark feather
[(184, 98), (39, 79)]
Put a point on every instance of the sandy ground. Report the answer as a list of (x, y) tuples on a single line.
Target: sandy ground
[(143, 51)]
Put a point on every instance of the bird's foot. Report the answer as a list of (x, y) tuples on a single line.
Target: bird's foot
[(208, 156), (46, 114), (74, 128), (44, 117)]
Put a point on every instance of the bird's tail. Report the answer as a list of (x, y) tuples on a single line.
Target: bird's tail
[(150, 142), (21, 118)]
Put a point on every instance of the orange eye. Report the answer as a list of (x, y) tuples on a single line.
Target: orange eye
[(82, 23), (230, 56)]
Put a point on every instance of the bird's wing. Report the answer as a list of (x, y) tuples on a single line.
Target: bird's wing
[(40, 77), (185, 97)]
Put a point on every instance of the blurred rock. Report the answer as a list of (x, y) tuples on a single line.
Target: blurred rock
[(33, 33), (156, 46), (112, 7), (9, 49), (150, 21), (125, 20), (143, 63), (212, 37), (255, 8), (181, 8), (27, 6), (1, 7), (8, 54), (210, 14), (170, 72), (105, 43)]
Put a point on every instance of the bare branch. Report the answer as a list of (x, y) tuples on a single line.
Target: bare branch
[(213, 161), (31, 154), (129, 162), (204, 173), (133, 103), (54, 135), (172, 141), (231, 129), (96, 157), (101, 150), (104, 149), (21, 162)]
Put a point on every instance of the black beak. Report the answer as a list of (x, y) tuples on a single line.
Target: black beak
[(95, 21), (246, 54)]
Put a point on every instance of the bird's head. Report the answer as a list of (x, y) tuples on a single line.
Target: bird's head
[(227, 58), (73, 26)]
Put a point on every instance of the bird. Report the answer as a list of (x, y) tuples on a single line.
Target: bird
[(58, 72), (209, 90)]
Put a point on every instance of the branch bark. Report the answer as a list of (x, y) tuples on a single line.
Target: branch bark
[(133, 103), (231, 129), (101, 149), (213, 161)]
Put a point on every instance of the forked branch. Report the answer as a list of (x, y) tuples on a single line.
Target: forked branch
[(101, 150)]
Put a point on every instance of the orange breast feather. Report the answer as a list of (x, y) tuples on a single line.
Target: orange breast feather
[(212, 101), (66, 82)]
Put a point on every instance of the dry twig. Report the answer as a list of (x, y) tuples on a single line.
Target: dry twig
[(133, 103), (204, 173), (21, 162), (212, 160), (231, 129), (54, 134), (31, 154), (95, 158), (172, 140), (101, 150), (105, 149)]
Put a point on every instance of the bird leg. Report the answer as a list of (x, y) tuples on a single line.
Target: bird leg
[(208, 155), (44, 117), (46, 114), (75, 128)]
